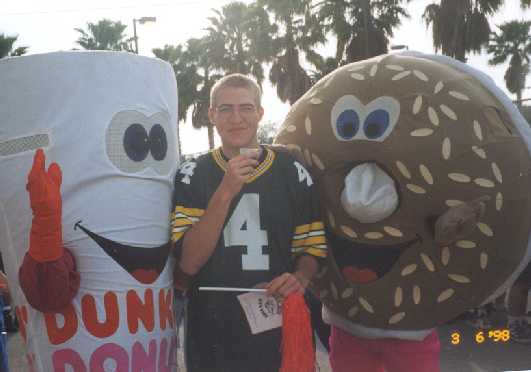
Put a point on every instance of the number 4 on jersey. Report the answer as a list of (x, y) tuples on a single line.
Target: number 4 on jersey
[(303, 174), (253, 238), (187, 169)]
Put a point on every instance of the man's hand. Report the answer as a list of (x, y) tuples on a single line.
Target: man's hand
[(286, 284), (238, 171)]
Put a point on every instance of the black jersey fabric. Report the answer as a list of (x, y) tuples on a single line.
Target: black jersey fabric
[(274, 218)]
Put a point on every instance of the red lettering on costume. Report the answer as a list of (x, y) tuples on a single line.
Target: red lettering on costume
[(138, 310), (142, 362), (165, 309), (22, 314), (64, 357), (56, 334), (167, 360), (90, 315), (109, 351)]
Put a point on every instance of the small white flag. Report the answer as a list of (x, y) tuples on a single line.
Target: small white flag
[(263, 312)]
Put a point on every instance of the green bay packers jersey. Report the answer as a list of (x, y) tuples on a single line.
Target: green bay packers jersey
[(273, 219)]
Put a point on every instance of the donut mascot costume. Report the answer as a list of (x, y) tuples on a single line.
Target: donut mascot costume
[(423, 167), (88, 149)]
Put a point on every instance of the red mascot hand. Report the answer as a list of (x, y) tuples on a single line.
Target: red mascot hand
[(46, 237)]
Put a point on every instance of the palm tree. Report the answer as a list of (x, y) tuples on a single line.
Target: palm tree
[(185, 73), (240, 36), (266, 132), (6, 47), (200, 51), (460, 26), (362, 27), (296, 33), (105, 35), (323, 66), (195, 76), (513, 43)]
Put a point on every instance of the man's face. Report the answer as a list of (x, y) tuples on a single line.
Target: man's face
[(236, 117)]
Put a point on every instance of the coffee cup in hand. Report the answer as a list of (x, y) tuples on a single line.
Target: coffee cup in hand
[(251, 152)]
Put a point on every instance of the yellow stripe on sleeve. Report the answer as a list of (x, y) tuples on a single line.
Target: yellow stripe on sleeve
[(311, 233), (183, 221), (318, 252), (317, 225), (176, 236), (191, 212), (311, 240)]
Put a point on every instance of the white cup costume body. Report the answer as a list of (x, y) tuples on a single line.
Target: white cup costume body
[(109, 121)]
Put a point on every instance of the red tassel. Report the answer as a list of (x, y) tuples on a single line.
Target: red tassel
[(298, 354)]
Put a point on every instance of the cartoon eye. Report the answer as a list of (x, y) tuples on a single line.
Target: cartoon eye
[(347, 124), (376, 124), (136, 142), (346, 118), (158, 142), (382, 116), (377, 118)]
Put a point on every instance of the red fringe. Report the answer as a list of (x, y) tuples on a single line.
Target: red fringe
[(298, 354)]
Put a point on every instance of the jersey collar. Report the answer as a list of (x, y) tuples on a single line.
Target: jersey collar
[(263, 166)]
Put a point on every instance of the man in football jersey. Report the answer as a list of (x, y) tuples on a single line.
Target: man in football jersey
[(244, 215)]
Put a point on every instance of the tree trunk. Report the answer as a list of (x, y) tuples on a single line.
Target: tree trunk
[(458, 49), (519, 99), (366, 14), (240, 66), (179, 145), (210, 129), (340, 51)]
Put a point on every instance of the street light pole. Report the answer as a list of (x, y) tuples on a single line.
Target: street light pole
[(134, 35), (141, 20)]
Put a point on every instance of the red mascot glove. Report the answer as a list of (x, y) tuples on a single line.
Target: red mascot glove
[(46, 237)]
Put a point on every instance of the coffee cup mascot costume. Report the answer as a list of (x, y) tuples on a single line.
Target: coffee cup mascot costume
[(84, 220), (423, 167)]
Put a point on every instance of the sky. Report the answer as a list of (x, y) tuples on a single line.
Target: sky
[(48, 26)]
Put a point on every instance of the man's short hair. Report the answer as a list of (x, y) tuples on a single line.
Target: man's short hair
[(236, 81)]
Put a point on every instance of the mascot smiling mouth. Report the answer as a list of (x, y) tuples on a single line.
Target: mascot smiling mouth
[(144, 264), (365, 263)]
